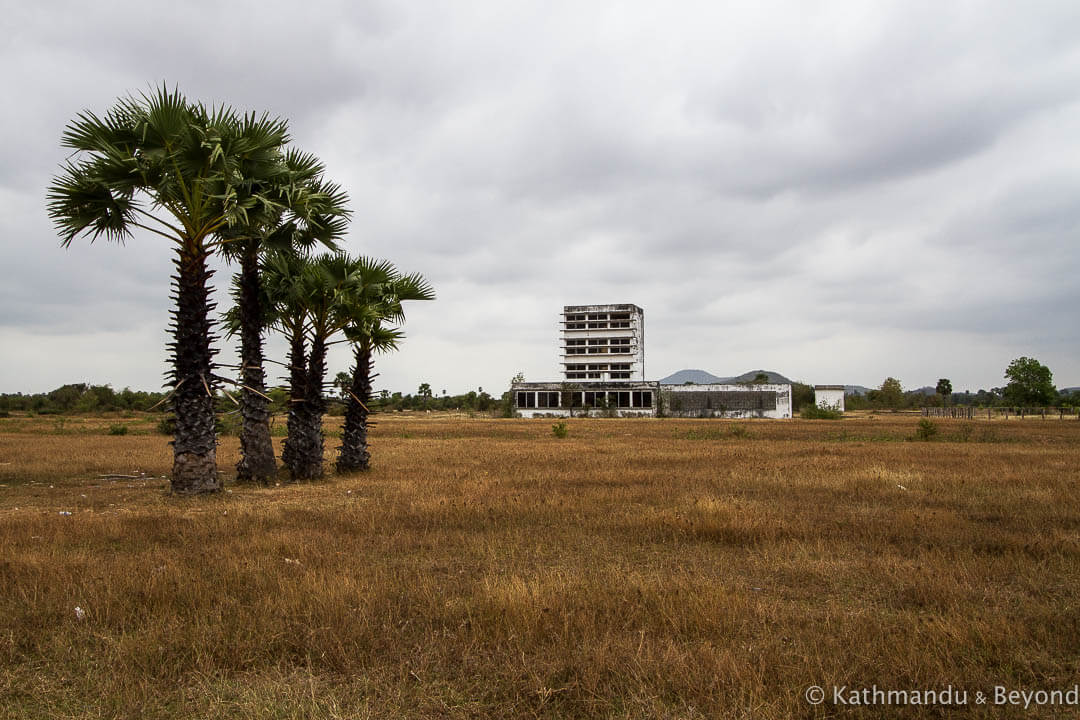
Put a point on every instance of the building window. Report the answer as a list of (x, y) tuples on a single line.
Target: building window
[(642, 399), (547, 399), (598, 326), (620, 376), (526, 400), (598, 341)]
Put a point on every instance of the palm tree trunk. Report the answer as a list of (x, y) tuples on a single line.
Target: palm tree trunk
[(297, 395), (194, 440), (257, 462), (308, 463), (354, 453)]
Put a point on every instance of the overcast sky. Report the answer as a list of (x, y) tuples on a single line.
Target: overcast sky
[(838, 191)]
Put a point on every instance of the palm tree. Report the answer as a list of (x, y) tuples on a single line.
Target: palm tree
[(304, 210), (310, 300), (375, 300), (180, 170)]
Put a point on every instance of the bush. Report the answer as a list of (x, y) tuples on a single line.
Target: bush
[(228, 424), (560, 430), (167, 425), (4, 414), (738, 430), (118, 429), (813, 412), (926, 430)]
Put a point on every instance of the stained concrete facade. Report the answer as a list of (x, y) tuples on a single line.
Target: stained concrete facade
[(602, 342), (728, 401), (578, 399), (603, 370), (829, 397)]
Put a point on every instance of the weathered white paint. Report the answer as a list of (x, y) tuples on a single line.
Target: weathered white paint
[(577, 327), (577, 399), (676, 399), (830, 397)]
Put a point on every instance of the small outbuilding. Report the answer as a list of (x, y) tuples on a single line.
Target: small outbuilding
[(829, 397)]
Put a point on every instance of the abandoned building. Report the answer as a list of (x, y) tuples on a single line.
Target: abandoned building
[(603, 342), (602, 353), (729, 401), (829, 397)]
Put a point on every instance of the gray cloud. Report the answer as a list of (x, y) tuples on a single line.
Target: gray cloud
[(839, 191)]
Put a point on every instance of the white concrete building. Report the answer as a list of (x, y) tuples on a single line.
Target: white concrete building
[(577, 399), (602, 353), (728, 401), (829, 397), (602, 342)]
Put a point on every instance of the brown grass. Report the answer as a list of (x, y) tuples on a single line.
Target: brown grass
[(485, 568)]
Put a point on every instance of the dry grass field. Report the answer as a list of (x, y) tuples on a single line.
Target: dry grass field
[(486, 568)]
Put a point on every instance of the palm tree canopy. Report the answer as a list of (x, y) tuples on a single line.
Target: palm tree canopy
[(332, 292), (294, 208), (160, 154)]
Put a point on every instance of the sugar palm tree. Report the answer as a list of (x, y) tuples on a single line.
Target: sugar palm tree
[(375, 301), (310, 301), (180, 170), (303, 210)]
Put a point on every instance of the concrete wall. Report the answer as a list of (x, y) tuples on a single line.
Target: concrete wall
[(593, 399), (728, 401), (829, 396)]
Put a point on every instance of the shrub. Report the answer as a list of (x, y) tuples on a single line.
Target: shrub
[(560, 430), (738, 430), (228, 424), (118, 429), (814, 412), (167, 425), (4, 414), (926, 430)]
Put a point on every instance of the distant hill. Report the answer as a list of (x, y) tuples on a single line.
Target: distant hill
[(700, 377), (774, 377), (856, 389)]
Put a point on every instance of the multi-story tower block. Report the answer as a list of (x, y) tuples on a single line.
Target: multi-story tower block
[(603, 342)]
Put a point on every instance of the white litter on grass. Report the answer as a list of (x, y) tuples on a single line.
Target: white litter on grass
[(290, 561), (64, 512), (901, 486), (80, 614)]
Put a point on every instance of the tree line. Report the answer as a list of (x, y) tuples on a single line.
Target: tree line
[(212, 181), (1030, 384)]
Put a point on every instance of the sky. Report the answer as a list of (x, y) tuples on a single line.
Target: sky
[(837, 191)]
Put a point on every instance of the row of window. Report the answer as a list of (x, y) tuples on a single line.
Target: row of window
[(598, 351), (598, 316), (583, 366), (591, 399), (597, 376), (598, 325), (575, 342)]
